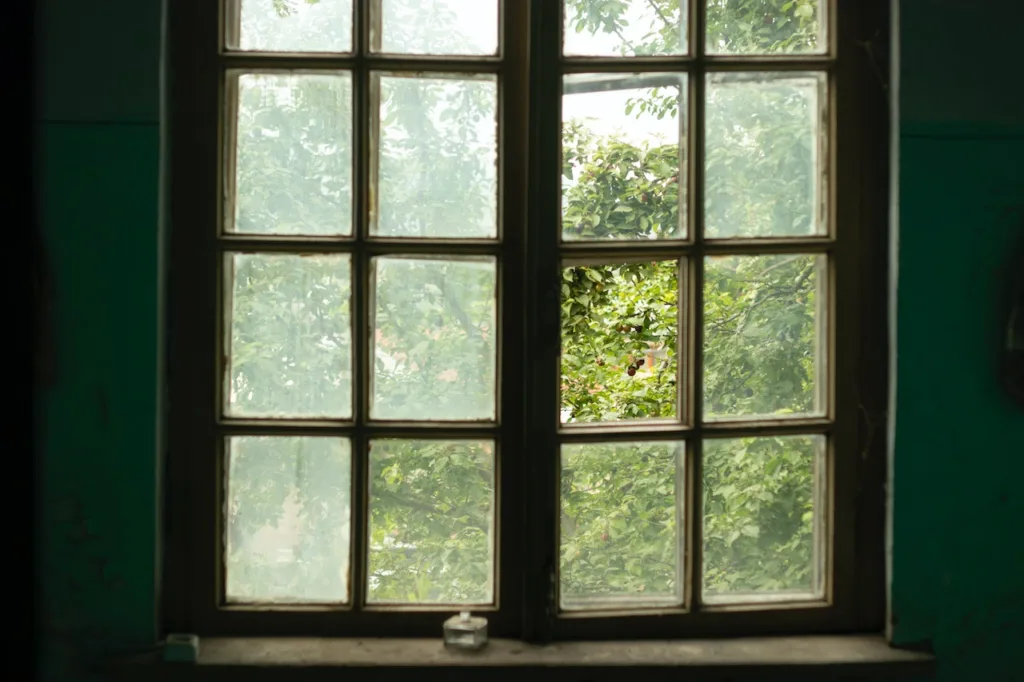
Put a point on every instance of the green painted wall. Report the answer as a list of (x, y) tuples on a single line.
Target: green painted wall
[(959, 446), (959, 443), (98, 145)]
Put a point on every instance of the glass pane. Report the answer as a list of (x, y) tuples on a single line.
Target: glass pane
[(620, 329), (621, 157), (437, 162), (764, 162), (766, 26), (296, 25), (762, 525), (290, 352), (431, 522), (293, 155), (625, 28), (439, 27), (433, 339), (288, 519), (621, 530), (764, 336)]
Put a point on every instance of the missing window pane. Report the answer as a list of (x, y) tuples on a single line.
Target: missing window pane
[(620, 330), (623, 174), (625, 28)]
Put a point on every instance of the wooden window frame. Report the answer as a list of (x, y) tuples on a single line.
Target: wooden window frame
[(529, 250)]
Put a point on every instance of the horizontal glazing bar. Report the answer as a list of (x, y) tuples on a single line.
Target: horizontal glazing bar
[(600, 433), (255, 61), (438, 247), (339, 429), (619, 250), (693, 64)]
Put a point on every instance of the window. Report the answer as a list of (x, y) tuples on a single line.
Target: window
[(556, 311)]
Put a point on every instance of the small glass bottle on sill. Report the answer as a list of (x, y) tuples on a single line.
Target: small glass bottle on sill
[(465, 632)]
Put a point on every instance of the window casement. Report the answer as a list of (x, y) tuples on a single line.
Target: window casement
[(564, 312)]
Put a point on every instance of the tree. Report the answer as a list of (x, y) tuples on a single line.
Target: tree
[(431, 502)]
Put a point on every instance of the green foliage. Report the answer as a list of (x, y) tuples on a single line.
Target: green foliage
[(431, 503), (431, 521), (620, 522)]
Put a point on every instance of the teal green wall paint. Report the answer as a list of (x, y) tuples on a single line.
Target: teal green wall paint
[(959, 453), (98, 145), (959, 443), (957, 513), (99, 467)]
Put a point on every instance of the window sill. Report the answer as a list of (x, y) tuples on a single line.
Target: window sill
[(300, 659)]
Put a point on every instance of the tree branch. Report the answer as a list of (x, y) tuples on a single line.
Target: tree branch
[(668, 24)]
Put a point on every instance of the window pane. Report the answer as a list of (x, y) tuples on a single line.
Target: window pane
[(621, 535), (433, 339), (621, 157), (620, 329), (296, 25), (766, 26), (764, 166), (439, 27), (290, 348), (288, 519), (763, 336), (762, 537), (437, 162), (625, 28), (294, 155), (431, 522)]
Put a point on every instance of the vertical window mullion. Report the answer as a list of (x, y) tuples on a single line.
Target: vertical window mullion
[(695, 329), (361, 303), (542, 349)]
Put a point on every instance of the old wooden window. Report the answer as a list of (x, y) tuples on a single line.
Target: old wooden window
[(553, 310)]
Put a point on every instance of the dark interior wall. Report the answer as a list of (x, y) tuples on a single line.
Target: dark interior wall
[(98, 144), (959, 445)]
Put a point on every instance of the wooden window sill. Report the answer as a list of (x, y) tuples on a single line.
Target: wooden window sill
[(299, 659)]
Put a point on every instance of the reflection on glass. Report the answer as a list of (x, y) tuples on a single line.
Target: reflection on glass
[(438, 27), (620, 325), (765, 26), (764, 171), (625, 28), (296, 25), (762, 534), (763, 340), (290, 347), (621, 537), (621, 157), (434, 328), (288, 520), (431, 525), (294, 155), (437, 161)]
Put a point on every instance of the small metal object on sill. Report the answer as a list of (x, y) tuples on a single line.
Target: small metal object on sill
[(465, 632), (181, 648)]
